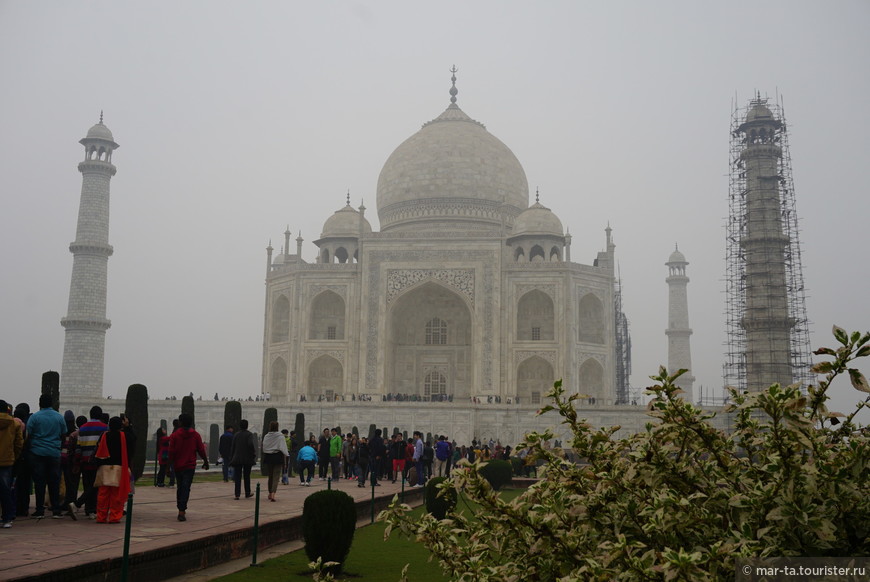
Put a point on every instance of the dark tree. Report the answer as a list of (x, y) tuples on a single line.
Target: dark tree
[(136, 409), (214, 437), (187, 407), (51, 385), (232, 414), (300, 429)]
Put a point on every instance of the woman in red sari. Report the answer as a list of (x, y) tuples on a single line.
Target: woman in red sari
[(113, 450)]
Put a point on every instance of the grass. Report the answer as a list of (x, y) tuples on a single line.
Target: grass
[(371, 558)]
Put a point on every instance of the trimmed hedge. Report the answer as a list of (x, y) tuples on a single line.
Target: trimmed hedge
[(498, 473), (328, 525), (439, 505)]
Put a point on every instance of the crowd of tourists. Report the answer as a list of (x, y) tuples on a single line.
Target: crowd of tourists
[(60, 453)]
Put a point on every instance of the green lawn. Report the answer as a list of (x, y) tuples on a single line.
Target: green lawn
[(371, 558)]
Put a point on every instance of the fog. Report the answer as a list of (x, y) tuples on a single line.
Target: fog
[(236, 121)]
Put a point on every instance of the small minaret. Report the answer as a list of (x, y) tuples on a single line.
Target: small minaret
[(86, 324), (678, 331)]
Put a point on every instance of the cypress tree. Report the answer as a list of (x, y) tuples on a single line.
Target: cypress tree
[(51, 385), (214, 437), (187, 407), (300, 429), (232, 414), (136, 409)]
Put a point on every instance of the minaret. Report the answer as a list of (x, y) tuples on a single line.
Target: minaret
[(86, 324), (678, 331), (765, 319)]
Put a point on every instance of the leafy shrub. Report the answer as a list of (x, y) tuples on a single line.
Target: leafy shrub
[(682, 500), (498, 473), (439, 501), (328, 525), (517, 466)]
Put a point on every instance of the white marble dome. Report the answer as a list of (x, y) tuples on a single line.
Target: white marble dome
[(452, 170), (677, 257), (344, 223), (538, 219), (100, 131), (759, 112)]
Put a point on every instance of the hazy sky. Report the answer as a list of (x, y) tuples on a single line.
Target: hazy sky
[(238, 119)]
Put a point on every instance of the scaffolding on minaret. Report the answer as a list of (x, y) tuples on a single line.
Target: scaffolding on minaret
[(738, 246), (623, 348)]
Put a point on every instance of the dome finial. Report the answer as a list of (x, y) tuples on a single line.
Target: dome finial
[(348, 196), (453, 89), (537, 196), (101, 117)]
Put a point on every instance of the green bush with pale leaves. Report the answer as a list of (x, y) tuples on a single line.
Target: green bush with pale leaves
[(681, 500)]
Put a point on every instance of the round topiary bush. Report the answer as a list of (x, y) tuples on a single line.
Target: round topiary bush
[(439, 503), (498, 473), (328, 524)]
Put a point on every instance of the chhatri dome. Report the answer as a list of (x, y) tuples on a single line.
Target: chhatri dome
[(539, 220), (452, 171), (345, 222)]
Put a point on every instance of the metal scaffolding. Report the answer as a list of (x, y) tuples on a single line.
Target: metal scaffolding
[(623, 348), (737, 316)]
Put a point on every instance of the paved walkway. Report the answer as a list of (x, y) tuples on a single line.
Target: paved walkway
[(33, 547)]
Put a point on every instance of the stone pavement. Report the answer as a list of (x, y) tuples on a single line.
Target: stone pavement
[(47, 547)]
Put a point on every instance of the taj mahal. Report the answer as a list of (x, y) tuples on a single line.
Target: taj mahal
[(467, 293), (456, 317)]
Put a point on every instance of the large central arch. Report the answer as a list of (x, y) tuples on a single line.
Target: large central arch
[(429, 329)]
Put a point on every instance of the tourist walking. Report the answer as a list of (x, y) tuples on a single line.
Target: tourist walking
[(243, 455), (21, 471), (274, 454), (11, 445), (46, 430), (113, 474), (335, 454), (323, 455), (306, 460), (225, 450), (418, 458), (362, 461), (442, 456), (162, 440), (184, 445), (86, 447), (397, 452), (377, 451)]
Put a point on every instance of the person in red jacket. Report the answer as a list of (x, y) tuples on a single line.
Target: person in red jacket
[(184, 445)]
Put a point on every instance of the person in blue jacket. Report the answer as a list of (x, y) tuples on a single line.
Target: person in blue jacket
[(307, 459)]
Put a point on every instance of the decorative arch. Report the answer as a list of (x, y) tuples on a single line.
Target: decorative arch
[(418, 342), (280, 319), (535, 377), (535, 317), (341, 255), (591, 379), (327, 317), (555, 254), (519, 254), (325, 378), (278, 377), (591, 324), (537, 254)]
